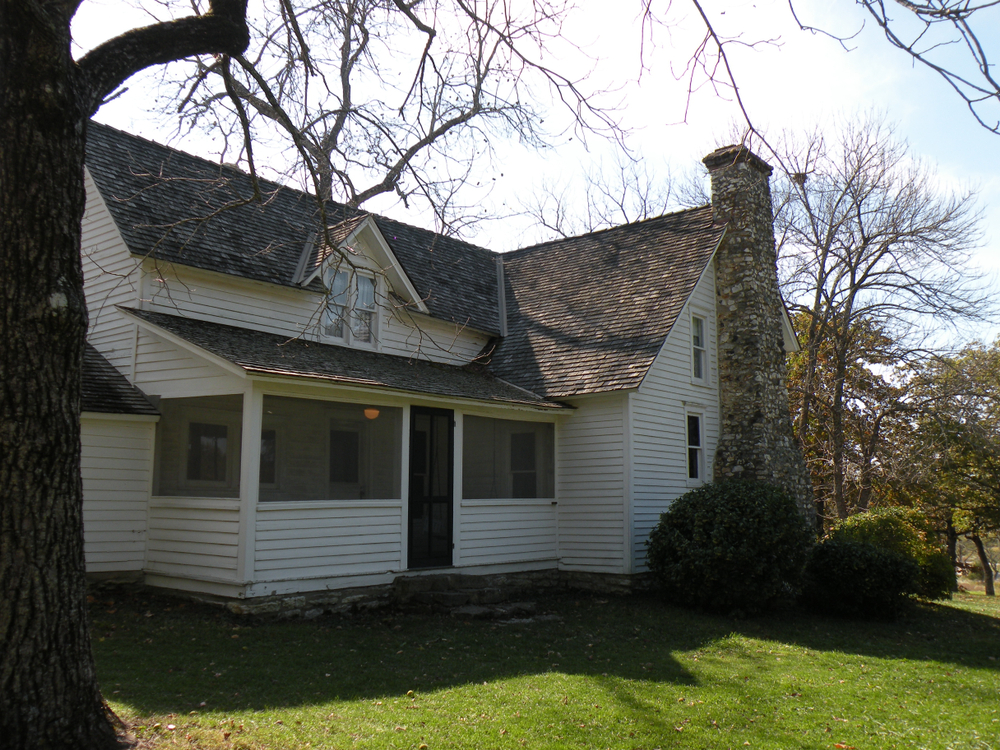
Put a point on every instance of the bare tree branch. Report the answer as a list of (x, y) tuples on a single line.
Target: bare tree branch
[(106, 67)]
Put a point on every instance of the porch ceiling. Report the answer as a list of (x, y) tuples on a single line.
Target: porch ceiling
[(270, 354)]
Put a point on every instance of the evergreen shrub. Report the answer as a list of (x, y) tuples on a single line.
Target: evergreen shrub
[(851, 578), (906, 532), (733, 547)]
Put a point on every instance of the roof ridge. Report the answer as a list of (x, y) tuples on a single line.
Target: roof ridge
[(220, 165), (337, 205), (616, 228)]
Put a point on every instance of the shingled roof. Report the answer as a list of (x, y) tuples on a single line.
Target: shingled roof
[(584, 315), (268, 354), (589, 314), (169, 204), (106, 390)]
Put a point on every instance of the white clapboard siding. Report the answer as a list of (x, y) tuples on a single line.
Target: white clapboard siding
[(659, 428), (327, 539), (288, 311), (167, 370), (116, 465), (591, 486), (111, 277), (507, 531), (193, 538)]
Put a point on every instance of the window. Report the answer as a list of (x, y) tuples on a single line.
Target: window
[(207, 452), (336, 305), (363, 327), (504, 458), (699, 358), (351, 312), (695, 452)]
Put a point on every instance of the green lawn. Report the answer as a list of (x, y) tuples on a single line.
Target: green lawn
[(607, 673)]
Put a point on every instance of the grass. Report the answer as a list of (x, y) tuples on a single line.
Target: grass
[(601, 673)]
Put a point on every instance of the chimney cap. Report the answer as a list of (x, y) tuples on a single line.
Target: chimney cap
[(729, 155)]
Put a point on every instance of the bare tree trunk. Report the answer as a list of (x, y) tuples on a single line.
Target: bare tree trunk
[(869, 450), (985, 561), (48, 689), (837, 438), (952, 548)]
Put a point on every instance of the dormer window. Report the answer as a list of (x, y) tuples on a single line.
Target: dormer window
[(336, 304), (351, 313), (363, 326)]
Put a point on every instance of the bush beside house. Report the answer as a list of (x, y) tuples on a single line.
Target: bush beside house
[(738, 547), (731, 547), (905, 532), (851, 578)]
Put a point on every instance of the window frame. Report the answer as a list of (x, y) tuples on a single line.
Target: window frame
[(350, 313), (699, 351), (701, 465)]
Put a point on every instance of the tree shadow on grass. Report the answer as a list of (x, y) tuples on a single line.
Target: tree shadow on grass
[(162, 655)]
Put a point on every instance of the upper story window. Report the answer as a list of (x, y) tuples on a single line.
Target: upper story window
[(351, 312), (699, 352)]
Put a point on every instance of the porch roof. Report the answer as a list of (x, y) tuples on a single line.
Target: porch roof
[(261, 353)]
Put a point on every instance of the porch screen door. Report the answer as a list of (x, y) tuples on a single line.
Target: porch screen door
[(431, 484)]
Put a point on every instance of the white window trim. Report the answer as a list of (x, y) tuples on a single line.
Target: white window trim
[(706, 370), (349, 338), (702, 463)]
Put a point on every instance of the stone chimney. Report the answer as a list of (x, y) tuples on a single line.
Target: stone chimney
[(755, 440)]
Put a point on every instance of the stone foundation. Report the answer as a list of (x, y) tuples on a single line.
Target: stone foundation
[(501, 595)]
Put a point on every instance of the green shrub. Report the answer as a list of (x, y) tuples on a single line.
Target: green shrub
[(906, 532), (850, 578), (731, 547)]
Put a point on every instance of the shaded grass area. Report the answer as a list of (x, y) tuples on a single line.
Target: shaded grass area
[(601, 673)]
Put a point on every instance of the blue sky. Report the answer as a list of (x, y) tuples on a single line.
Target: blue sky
[(799, 81)]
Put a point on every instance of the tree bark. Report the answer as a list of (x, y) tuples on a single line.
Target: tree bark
[(48, 689), (952, 548), (985, 561), (49, 697)]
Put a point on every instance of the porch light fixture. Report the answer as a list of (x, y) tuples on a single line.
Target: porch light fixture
[(371, 412)]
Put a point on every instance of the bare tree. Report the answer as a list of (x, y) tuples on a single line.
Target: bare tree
[(868, 244), (391, 97), (951, 38), (624, 192)]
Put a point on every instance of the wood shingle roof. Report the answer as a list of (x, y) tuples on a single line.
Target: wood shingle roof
[(269, 354), (588, 314), (585, 315), (183, 209)]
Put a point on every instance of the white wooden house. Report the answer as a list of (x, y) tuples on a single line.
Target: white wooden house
[(333, 408)]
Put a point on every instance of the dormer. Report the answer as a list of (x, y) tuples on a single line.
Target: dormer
[(362, 281)]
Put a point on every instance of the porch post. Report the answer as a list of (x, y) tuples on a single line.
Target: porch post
[(404, 490), (456, 494), (253, 408)]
